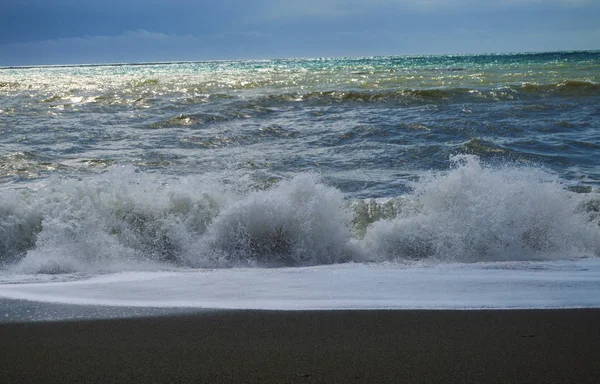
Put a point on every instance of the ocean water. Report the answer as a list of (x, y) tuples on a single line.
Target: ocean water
[(375, 182)]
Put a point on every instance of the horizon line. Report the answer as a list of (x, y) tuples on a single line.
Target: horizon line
[(175, 62)]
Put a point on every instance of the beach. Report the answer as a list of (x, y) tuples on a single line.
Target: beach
[(507, 346), (397, 219)]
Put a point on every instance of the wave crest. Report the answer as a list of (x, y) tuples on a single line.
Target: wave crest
[(418, 96), (126, 219), (299, 222), (479, 213)]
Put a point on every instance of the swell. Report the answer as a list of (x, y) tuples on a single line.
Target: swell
[(126, 219), (275, 89), (564, 88), (525, 91)]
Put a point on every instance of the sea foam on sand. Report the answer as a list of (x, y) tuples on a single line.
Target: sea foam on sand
[(556, 284)]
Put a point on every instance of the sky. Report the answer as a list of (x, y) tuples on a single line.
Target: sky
[(51, 32)]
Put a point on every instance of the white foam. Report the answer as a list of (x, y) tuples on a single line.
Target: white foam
[(299, 222), (479, 213), (558, 284), (124, 219)]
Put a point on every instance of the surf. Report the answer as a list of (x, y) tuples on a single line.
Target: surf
[(125, 219)]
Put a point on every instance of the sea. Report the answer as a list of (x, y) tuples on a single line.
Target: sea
[(392, 182)]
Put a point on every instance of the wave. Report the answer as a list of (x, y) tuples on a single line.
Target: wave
[(564, 88), (127, 219), (143, 94), (478, 213), (409, 95)]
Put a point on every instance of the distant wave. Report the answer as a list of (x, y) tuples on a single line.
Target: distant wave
[(375, 85), (126, 219), (564, 88), (444, 95)]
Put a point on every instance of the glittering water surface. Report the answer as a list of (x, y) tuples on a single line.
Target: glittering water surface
[(368, 124)]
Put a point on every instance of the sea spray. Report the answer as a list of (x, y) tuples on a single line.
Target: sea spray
[(125, 219), (113, 221), (476, 212), (298, 222), (20, 222)]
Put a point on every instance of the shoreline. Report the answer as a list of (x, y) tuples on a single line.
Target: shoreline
[(509, 346)]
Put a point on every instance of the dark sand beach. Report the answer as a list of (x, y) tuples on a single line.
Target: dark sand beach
[(512, 346)]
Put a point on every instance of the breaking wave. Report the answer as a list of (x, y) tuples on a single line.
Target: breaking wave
[(478, 213), (126, 219)]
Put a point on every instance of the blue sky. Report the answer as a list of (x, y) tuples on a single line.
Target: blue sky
[(36, 32)]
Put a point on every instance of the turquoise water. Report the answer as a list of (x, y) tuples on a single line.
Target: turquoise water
[(300, 162)]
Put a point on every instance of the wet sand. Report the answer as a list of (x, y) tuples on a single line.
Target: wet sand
[(521, 346)]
